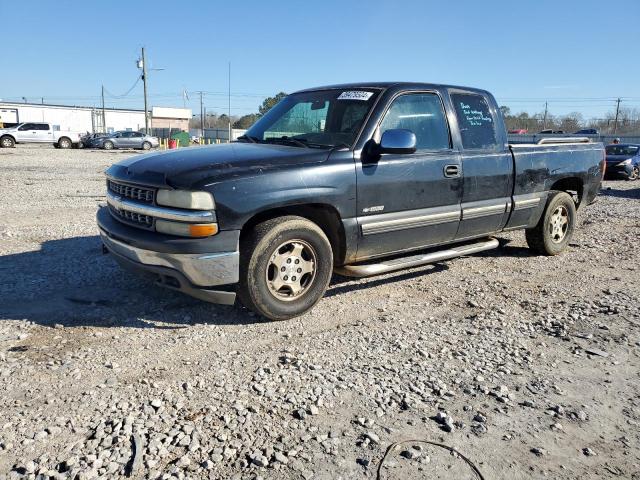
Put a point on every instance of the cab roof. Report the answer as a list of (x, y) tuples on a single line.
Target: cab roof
[(392, 85)]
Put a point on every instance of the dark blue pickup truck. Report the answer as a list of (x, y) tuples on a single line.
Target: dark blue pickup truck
[(360, 179)]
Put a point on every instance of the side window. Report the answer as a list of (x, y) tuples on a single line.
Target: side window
[(42, 126), (26, 126), (422, 113), (136, 134), (477, 128)]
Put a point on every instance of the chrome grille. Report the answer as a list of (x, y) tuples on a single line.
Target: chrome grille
[(133, 218), (140, 194)]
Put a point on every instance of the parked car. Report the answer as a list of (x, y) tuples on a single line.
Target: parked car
[(87, 139), (125, 139), (550, 131), (586, 131), (36, 132), (519, 131), (623, 161), (356, 178)]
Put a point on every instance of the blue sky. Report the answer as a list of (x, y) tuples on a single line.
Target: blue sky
[(579, 55)]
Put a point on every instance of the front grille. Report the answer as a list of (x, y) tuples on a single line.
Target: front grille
[(132, 218), (140, 194)]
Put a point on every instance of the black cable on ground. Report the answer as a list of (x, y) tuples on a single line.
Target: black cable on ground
[(392, 447)]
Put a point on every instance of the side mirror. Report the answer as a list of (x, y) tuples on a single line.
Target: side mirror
[(398, 141)]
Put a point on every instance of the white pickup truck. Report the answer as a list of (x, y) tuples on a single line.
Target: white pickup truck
[(34, 132)]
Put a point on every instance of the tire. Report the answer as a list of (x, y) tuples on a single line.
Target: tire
[(278, 257), (146, 145), (554, 230), (64, 142), (7, 142), (107, 145), (635, 174)]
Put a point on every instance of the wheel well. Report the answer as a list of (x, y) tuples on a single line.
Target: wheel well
[(7, 135), (64, 138), (571, 185), (325, 216)]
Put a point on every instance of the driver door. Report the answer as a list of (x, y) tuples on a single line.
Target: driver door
[(410, 201), (27, 133)]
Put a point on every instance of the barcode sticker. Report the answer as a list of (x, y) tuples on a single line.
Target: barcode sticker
[(355, 95)]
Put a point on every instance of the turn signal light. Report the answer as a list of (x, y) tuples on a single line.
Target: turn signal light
[(186, 229), (205, 230)]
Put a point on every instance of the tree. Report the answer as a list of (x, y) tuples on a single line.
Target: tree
[(269, 102), (506, 111), (246, 121)]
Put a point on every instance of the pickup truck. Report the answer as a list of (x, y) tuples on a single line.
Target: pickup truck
[(360, 179), (36, 132)]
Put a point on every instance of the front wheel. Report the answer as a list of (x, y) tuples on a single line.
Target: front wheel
[(7, 142), (286, 265), (635, 174), (554, 230), (146, 146), (108, 145)]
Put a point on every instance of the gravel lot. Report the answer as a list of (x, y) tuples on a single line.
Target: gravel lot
[(527, 365)]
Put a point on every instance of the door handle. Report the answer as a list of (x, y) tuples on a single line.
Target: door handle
[(451, 171)]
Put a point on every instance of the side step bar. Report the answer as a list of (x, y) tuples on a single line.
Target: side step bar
[(415, 260)]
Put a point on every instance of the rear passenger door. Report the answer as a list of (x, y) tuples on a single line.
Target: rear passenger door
[(43, 133), (409, 201), (487, 164), (124, 140), (136, 139)]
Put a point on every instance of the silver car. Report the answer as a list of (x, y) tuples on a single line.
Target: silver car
[(125, 140)]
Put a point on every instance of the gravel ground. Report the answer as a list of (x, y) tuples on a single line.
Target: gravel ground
[(526, 365)]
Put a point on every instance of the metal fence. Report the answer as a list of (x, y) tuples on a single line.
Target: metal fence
[(606, 139)]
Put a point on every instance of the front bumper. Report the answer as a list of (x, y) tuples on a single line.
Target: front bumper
[(617, 170), (196, 274)]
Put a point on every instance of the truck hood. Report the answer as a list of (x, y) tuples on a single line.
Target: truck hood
[(194, 167)]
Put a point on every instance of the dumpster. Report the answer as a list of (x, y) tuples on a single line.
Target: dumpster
[(173, 143)]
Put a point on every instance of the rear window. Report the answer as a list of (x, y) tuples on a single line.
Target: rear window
[(622, 149), (477, 128)]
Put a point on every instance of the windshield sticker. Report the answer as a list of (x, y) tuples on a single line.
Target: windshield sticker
[(355, 95)]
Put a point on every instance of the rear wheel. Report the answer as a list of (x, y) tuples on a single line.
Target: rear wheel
[(7, 142), (554, 230), (64, 142), (286, 265), (108, 145)]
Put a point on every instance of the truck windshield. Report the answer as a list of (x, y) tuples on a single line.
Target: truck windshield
[(318, 119)]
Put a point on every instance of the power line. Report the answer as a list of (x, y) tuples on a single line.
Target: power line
[(127, 92)]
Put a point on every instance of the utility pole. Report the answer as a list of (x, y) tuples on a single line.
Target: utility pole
[(544, 121), (201, 118), (144, 82), (230, 102), (104, 117), (615, 122)]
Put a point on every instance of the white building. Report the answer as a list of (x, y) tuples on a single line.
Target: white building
[(89, 119)]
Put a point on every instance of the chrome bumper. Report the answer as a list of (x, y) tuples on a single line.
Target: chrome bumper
[(193, 274)]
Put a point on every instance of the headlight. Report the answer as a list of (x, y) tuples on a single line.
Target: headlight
[(186, 229), (185, 199), (625, 162)]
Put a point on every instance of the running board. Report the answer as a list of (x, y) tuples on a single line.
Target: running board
[(415, 260)]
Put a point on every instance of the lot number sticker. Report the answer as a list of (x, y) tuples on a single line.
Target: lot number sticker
[(355, 95)]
